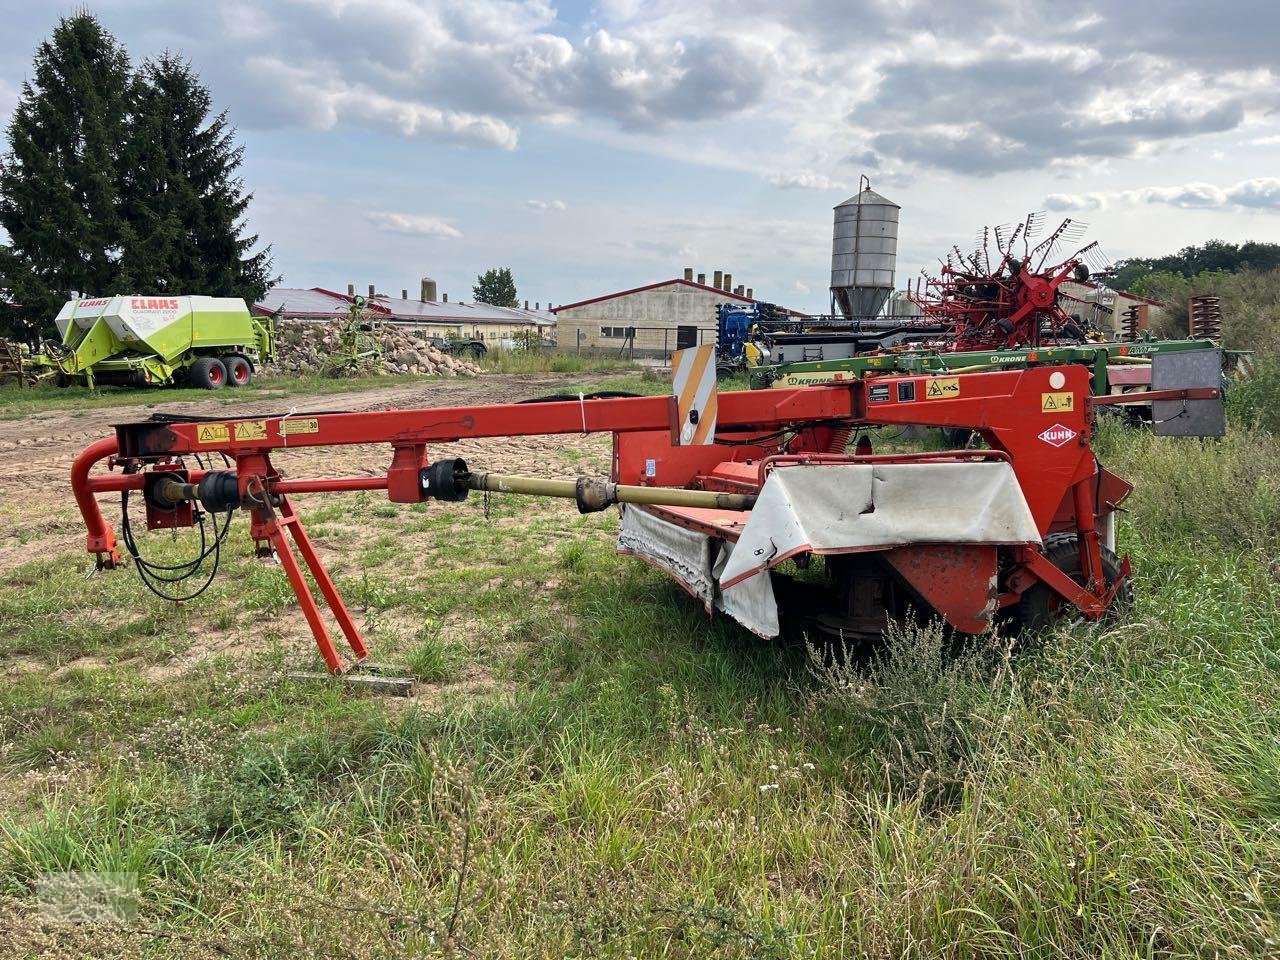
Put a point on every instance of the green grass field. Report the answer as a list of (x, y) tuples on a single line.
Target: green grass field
[(598, 770), (16, 401)]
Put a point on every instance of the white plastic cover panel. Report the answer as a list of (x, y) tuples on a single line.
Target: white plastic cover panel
[(686, 555), (683, 553), (842, 508)]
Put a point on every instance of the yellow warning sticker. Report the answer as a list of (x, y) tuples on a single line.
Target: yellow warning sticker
[(1057, 402), (942, 388), (251, 430), (288, 427), (212, 433)]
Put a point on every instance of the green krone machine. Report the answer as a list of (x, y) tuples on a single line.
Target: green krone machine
[(208, 342), (1116, 366)]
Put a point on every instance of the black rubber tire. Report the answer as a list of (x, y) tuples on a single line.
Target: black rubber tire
[(956, 438), (61, 380), (209, 373), (239, 370), (1038, 607)]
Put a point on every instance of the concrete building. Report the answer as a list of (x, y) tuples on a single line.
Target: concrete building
[(648, 321), (479, 321)]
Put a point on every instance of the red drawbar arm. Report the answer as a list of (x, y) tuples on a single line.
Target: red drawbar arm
[(101, 538)]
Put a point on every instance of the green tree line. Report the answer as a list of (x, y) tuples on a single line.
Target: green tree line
[(1213, 256), (118, 180)]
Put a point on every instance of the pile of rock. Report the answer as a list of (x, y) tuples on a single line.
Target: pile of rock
[(304, 348)]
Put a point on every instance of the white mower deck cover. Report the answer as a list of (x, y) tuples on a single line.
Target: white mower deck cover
[(829, 509)]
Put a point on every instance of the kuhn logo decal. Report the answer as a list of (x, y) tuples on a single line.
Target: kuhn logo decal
[(1057, 435)]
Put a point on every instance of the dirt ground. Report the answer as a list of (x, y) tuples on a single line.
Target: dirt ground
[(38, 515)]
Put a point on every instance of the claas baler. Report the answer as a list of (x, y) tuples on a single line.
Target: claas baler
[(724, 492), (209, 342)]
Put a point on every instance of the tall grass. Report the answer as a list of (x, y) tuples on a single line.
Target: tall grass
[(553, 361), (641, 781), (1255, 402)]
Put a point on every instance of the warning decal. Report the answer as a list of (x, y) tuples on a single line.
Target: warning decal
[(251, 430), (212, 433), (693, 375), (311, 425), (1057, 402), (942, 388)]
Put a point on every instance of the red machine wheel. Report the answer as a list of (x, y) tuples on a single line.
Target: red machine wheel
[(208, 372), (239, 372), (1040, 607)]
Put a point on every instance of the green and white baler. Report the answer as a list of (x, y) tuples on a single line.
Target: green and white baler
[(207, 342)]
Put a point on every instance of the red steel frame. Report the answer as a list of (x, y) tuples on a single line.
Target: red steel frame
[(1058, 479)]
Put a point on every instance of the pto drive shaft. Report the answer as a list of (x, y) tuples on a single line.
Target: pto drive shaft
[(593, 494), (451, 480)]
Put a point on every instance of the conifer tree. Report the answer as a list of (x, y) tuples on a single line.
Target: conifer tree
[(59, 196), (115, 182), (183, 196)]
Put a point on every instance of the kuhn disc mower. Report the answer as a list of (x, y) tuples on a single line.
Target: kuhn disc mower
[(720, 491)]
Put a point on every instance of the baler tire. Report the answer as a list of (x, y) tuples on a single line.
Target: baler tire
[(1039, 607), (239, 371), (208, 373)]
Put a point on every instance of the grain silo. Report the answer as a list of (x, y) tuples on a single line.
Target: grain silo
[(864, 253)]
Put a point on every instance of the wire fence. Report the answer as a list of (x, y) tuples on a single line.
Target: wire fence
[(652, 343)]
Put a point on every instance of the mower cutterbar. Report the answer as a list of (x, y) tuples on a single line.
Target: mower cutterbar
[(957, 534)]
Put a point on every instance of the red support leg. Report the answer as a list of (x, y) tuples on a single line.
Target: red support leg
[(291, 519), (270, 519), (275, 535)]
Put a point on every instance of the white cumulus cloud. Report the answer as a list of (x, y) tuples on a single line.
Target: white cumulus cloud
[(413, 225), (806, 180), (1258, 193), (1075, 201), (545, 204)]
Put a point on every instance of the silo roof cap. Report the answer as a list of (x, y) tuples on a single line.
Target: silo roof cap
[(867, 196)]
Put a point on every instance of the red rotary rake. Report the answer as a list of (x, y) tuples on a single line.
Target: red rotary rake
[(1022, 530), (1012, 299)]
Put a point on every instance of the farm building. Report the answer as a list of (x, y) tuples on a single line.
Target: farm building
[(479, 321), (1106, 308), (648, 321)]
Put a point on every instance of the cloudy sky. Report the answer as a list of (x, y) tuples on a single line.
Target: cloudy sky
[(594, 146)]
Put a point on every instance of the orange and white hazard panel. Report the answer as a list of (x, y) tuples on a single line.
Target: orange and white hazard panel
[(693, 375)]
